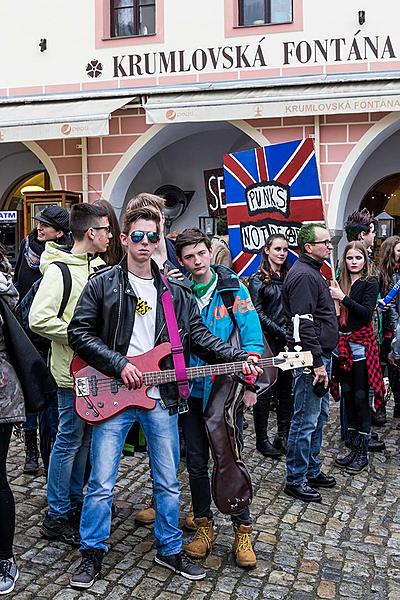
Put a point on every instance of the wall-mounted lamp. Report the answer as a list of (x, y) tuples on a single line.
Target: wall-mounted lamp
[(361, 17), (207, 225), (43, 44)]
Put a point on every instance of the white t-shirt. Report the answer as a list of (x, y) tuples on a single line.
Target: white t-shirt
[(144, 329)]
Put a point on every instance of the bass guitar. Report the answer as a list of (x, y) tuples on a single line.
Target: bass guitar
[(98, 397)]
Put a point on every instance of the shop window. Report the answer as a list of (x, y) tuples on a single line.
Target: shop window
[(265, 12), (132, 17)]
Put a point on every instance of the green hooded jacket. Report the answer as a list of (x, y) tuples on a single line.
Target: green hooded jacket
[(43, 318)]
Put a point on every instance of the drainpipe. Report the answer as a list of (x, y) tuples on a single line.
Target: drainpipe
[(317, 140), (85, 176)]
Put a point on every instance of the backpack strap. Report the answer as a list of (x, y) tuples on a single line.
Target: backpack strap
[(228, 298), (67, 286), (176, 347)]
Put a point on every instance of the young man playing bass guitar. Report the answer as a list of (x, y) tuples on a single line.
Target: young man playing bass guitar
[(121, 313)]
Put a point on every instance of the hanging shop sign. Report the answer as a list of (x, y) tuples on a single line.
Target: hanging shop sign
[(215, 192)]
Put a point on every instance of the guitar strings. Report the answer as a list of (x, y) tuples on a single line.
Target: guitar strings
[(169, 376)]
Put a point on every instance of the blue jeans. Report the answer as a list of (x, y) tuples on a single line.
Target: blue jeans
[(305, 437), (161, 431), (68, 458)]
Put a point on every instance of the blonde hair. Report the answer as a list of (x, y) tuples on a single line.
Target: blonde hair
[(144, 199)]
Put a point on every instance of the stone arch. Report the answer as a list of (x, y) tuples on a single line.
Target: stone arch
[(149, 144), (47, 163), (370, 141)]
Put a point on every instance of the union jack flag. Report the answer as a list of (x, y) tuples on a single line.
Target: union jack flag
[(290, 168)]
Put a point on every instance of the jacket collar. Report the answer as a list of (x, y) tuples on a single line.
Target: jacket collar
[(227, 279), (315, 264)]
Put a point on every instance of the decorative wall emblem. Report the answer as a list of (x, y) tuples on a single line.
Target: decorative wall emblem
[(94, 68)]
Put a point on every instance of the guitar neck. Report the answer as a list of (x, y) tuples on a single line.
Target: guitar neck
[(169, 376)]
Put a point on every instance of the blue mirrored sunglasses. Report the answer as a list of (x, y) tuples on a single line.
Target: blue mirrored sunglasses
[(137, 236)]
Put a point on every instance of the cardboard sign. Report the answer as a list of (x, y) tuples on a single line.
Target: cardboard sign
[(274, 189), (215, 192)]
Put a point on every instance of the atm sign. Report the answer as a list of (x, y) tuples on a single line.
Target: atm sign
[(8, 215)]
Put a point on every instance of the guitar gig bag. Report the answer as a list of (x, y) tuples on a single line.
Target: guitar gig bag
[(230, 483)]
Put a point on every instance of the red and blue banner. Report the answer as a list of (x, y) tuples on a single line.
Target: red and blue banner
[(273, 189)]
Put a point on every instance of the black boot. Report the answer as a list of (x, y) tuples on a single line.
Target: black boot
[(348, 459), (283, 417), (31, 465), (360, 461), (260, 415), (280, 441)]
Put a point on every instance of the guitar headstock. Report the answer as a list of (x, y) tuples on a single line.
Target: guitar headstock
[(293, 360)]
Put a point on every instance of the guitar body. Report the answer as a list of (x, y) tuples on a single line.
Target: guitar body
[(231, 483), (98, 398)]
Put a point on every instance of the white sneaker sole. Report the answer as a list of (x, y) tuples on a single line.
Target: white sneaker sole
[(12, 587), (78, 585), (171, 568)]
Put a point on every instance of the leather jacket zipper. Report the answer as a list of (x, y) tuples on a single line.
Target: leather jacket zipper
[(119, 315)]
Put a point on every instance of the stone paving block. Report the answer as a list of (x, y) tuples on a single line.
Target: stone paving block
[(346, 547), (326, 589)]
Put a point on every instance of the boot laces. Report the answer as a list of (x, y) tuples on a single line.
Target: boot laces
[(5, 569), (202, 534), (243, 541), (87, 563)]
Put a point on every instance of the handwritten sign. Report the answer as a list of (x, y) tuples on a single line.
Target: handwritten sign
[(274, 189)]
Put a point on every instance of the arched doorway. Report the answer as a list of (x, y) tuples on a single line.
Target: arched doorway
[(11, 214), (384, 196), (374, 158), (178, 154)]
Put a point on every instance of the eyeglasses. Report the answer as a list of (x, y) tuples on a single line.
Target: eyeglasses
[(327, 243), (137, 236), (106, 227)]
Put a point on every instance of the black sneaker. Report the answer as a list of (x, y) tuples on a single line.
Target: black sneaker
[(180, 563), (88, 570), (74, 515), (60, 529)]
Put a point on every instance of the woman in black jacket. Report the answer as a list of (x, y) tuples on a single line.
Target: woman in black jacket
[(356, 359), (265, 288)]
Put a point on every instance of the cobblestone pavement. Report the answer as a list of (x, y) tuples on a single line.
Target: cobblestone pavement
[(346, 547)]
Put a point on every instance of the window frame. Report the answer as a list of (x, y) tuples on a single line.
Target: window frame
[(267, 11), (135, 5)]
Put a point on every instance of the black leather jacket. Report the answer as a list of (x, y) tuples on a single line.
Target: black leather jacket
[(267, 300), (101, 328)]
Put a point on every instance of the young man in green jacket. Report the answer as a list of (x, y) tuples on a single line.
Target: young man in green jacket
[(91, 231)]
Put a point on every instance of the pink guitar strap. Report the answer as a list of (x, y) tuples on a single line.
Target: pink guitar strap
[(176, 346)]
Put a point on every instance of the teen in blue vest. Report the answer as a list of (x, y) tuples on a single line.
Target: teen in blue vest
[(215, 288)]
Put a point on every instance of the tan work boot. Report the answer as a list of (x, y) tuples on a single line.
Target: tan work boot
[(147, 515), (242, 547), (202, 543), (189, 520)]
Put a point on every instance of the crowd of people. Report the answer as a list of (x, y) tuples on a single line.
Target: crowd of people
[(84, 287)]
